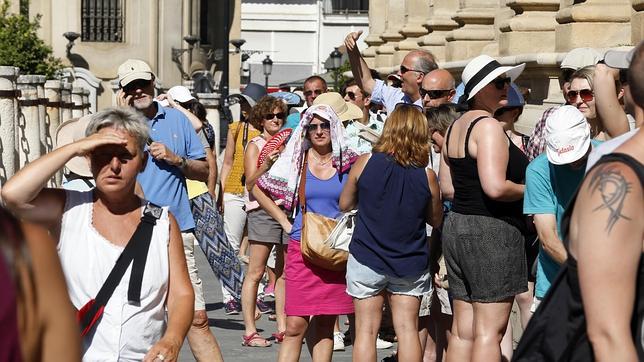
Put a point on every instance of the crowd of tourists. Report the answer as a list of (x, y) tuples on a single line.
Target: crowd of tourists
[(412, 205)]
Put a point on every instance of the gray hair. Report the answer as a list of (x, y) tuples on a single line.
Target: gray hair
[(425, 60), (126, 119)]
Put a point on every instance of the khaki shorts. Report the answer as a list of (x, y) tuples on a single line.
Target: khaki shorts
[(189, 250)]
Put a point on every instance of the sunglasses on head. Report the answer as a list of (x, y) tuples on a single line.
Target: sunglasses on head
[(313, 127), (410, 105), (136, 84), (585, 94), (501, 82), (434, 93), (270, 116), (309, 93), (404, 69)]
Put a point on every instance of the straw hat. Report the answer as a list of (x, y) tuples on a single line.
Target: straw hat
[(71, 131), (482, 70), (345, 110)]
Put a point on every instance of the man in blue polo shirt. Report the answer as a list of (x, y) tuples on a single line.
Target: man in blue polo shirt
[(174, 153), (551, 181), (414, 66)]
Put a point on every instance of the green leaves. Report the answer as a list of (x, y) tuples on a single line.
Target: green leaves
[(21, 47)]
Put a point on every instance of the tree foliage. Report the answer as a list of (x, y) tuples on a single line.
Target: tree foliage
[(21, 47)]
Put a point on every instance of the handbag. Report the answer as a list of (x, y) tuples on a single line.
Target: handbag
[(316, 229), (136, 251), (342, 233)]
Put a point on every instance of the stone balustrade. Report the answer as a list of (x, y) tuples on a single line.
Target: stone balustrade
[(8, 114)]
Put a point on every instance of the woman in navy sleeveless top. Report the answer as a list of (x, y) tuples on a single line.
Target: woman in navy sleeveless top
[(389, 254)]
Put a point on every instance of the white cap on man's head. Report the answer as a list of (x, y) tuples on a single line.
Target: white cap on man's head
[(619, 59), (579, 58), (567, 135), (133, 69)]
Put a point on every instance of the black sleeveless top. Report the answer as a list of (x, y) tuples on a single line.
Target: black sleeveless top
[(469, 197), (577, 318)]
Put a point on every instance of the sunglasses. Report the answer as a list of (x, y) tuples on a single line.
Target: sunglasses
[(434, 93), (270, 116), (351, 95), (136, 84), (410, 105), (404, 69), (309, 93), (313, 127), (501, 82), (585, 94)]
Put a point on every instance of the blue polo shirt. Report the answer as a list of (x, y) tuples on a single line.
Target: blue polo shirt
[(548, 190), (163, 184), (389, 96)]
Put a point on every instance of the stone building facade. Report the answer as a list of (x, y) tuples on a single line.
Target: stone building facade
[(535, 32)]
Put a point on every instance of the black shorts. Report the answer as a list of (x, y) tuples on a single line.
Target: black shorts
[(485, 257)]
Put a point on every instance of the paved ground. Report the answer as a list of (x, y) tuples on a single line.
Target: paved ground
[(229, 329)]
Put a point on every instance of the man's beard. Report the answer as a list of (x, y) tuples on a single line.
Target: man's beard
[(142, 103)]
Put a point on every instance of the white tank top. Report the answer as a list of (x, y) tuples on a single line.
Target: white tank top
[(126, 331)]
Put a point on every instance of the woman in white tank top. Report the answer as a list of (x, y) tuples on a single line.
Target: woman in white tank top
[(95, 226)]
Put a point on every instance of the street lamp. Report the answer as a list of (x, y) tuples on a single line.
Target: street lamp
[(268, 68), (336, 60), (176, 54)]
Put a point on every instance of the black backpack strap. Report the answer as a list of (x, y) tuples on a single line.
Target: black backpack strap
[(139, 242), (151, 214)]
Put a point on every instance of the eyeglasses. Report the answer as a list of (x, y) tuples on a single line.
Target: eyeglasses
[(585, 94), (309, 93), (313, 127), (411, 105), (404, 69), (501, 82), (270, 116), (434, 93), (136, 84)]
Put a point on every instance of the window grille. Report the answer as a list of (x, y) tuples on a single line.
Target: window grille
[(346, 6), (102, 20)]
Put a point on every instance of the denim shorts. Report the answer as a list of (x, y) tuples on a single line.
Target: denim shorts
[(363, 282)]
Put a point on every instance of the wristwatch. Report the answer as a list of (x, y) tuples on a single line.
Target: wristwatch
[(184, 162)]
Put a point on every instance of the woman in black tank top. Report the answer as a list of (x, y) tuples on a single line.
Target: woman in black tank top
[(482, 172)]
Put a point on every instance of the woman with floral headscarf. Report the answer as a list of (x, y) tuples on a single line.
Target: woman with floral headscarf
[(317, 152)]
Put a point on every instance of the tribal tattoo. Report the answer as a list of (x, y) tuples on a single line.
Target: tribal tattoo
[(613, 189)]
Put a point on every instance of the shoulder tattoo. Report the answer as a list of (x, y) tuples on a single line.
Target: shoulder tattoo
[(613, 188)]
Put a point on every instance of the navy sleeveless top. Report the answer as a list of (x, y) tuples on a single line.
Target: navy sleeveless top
[(469, 197), (390, 236)]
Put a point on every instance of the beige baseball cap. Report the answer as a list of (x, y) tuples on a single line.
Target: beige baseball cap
[(133, 69)]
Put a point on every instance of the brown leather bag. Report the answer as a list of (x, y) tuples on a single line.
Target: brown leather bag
[(316, 229)]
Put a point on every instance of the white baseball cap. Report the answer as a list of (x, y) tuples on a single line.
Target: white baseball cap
[(580, 57), (180, 93), (567, 135), (482, 70)]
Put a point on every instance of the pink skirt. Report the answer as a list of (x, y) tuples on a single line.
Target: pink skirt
[(311, 290)]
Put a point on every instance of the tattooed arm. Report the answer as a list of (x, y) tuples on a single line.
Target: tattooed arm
[(606, 232)]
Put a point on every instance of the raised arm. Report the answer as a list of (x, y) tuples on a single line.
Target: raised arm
[(25, 193), (359, 67), (610, 112), (492, 157), (194, 121), (607, 229), (180, 300)]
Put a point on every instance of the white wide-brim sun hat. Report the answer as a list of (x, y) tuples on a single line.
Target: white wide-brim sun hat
[(482, 70)]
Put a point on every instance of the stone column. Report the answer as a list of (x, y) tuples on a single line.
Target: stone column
[(532, 30), (115, 89), (45, 136), (77, 100), (395, 20), (593, 23), (416, 13), (377, 22), (476, 21), (86, 104), (439, 23), (637, 22), (52, 92), (29, 146), (211, 102), (65, 101), (8, 95)]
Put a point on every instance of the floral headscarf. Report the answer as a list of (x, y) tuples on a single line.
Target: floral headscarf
[(281, 181)]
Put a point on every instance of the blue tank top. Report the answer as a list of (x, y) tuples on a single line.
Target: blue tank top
[(322, 197), (390, 235)]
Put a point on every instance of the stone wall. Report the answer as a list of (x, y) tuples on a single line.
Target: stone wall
[(537, 33)]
